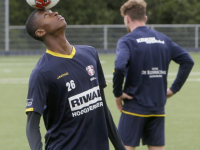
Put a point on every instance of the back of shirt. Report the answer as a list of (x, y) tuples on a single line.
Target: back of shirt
[(143, 56)]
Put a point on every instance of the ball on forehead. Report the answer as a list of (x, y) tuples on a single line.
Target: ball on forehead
[(42, 4)]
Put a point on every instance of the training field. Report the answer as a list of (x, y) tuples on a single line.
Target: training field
[(182, 110)]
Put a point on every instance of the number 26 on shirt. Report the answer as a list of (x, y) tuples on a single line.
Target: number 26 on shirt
[(70, 85)]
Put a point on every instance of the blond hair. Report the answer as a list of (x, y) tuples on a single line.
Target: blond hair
[(135, 9)]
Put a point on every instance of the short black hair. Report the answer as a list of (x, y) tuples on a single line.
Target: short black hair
[(31, 26)]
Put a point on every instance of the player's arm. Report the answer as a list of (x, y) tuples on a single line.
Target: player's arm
[(121, 63), (33, 130), (185, 62), (112, 130), (36, 100)]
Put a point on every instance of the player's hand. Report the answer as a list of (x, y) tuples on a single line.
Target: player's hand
[(120, 99), (169, 93)]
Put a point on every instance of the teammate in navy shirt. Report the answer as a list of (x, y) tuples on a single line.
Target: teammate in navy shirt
[(143, 58), (66, 87)]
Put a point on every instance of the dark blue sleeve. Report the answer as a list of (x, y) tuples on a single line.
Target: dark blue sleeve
[(33, 131), (37, 93), (121, 62), (112, 130), (180, 56)]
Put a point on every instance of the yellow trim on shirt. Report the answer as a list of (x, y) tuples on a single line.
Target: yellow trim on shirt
[(62, 55), (140, 115), (29, 109)]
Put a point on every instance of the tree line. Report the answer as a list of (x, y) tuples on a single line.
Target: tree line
[(81, 12)]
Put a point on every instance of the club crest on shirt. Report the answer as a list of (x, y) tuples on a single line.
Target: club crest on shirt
[(90, 70)]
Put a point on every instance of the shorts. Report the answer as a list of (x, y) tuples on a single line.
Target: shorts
[(149, 129)]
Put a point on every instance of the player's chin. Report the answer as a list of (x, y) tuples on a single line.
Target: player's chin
[(64, 23)]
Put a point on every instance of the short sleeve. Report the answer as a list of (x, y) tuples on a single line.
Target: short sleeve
[(37, 93), (101, 78)]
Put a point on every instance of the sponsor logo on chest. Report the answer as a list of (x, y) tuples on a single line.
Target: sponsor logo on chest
[(85, 101)]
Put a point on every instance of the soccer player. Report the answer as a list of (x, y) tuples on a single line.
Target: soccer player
[(143, 58), (66, 87)]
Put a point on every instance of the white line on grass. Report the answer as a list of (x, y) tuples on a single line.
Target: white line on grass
[(14, 81), (25, 80), (102, 62), (13, 60), (17, 64), (169, 74), (7, 70), (188, 80), (192, 73)]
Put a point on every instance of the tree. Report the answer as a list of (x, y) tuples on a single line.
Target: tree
[(173, 11), (107, 11), (74, 11)]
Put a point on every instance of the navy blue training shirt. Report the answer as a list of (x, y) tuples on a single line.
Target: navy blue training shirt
[(143, 57), (65, 89)]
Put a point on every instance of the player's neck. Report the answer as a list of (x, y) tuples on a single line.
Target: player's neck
[(58, 44), (135, 24)]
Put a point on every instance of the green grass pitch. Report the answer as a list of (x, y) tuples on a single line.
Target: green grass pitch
[(182, 110)]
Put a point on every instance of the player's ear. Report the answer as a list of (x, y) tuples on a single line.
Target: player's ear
[(126, 19), (40, 32), (145, 19)]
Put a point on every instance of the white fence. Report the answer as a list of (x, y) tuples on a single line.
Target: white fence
[(14, 39), (2, 25), (102, 37)]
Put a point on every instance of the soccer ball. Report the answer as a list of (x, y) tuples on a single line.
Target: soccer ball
[(42, 4)]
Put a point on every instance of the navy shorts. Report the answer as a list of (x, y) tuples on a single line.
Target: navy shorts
[(149, 129)]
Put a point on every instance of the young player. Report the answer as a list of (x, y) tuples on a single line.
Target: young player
[(143, 57), (66, 87)]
